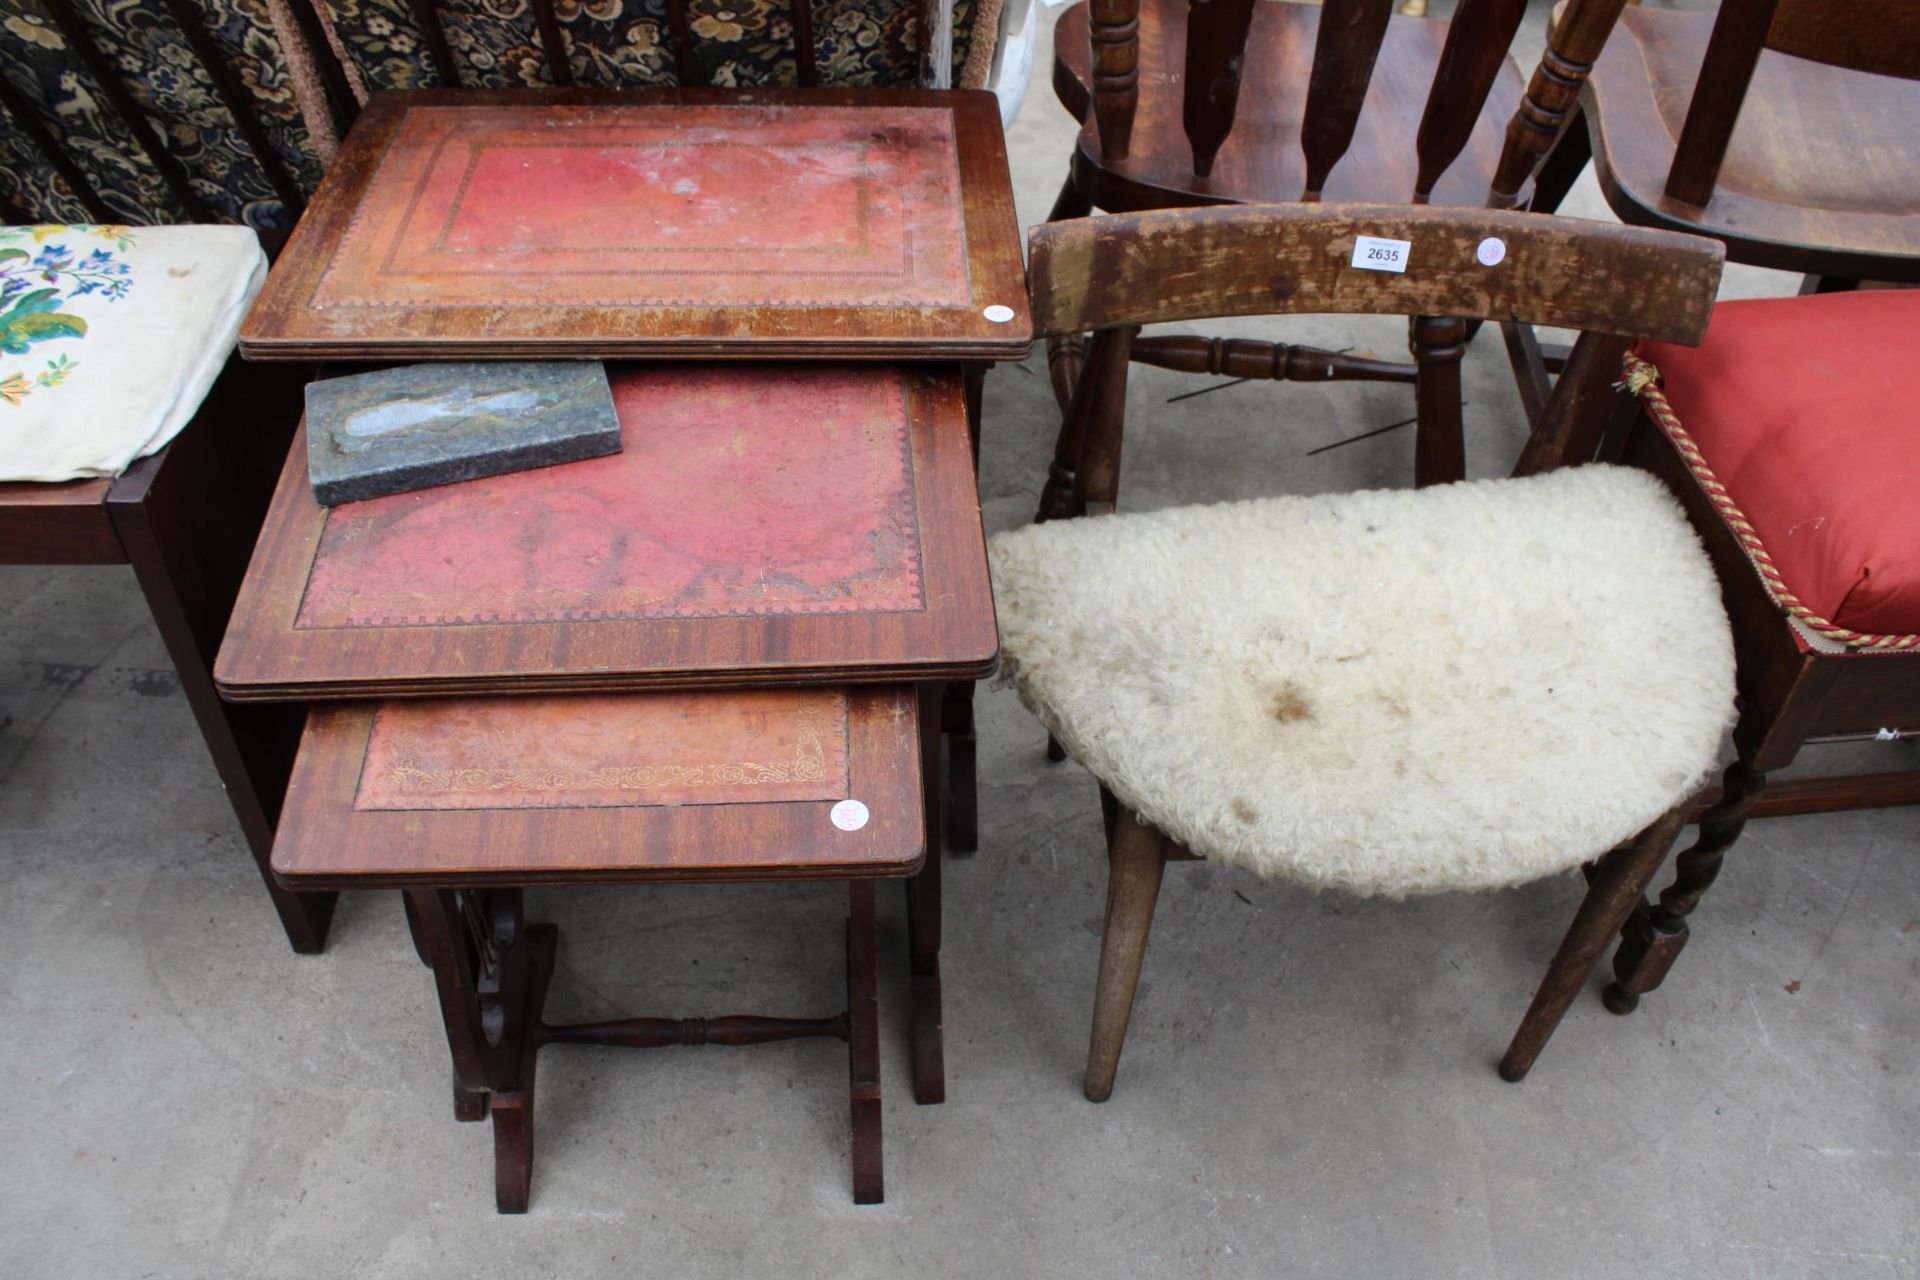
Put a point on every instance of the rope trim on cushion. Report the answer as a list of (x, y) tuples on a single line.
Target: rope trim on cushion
[(1643, 380)]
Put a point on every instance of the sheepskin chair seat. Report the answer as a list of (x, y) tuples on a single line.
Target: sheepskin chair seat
[(1390, 692)]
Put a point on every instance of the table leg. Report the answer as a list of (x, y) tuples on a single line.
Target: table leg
[(513, 1109), (923, 922), (963, 773), (187, 518), (863, 1051), (490, 972), (956, 713)]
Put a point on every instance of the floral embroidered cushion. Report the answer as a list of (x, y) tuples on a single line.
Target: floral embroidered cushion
[(110, 337)]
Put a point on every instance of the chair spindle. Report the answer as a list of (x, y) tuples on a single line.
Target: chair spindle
[(1477, 43), (1344, 52)]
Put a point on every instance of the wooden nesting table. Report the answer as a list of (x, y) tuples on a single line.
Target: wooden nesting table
[(728, 652), (708, 642), (463, 803)]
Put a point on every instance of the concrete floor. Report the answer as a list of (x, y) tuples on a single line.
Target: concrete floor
[(1309, 1089)]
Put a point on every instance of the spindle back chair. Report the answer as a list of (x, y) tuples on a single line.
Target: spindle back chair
[(1356, 139), (1878, 37), (1782, 128)]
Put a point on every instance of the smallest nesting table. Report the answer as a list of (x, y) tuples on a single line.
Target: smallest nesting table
[(463, 803)]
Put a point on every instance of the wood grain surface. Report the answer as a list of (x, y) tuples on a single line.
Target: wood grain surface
[(726, 827), (764, 523), (1187, 264), (758, 746), (461, 224), (57, 523), (1822, 167), (1265, 157)]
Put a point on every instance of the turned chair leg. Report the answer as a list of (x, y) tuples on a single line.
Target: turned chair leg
[(1621, 878), (1562, 167), (1654, 934), (1137, 858), (863, 1044)]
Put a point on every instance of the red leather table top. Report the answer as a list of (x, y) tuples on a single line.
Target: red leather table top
[(684, 522), (756, 746), (595, 223), (763, 524)]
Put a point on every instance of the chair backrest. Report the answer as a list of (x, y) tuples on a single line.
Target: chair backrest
[(1877, 37), (146, 111), (667, 42), (1115, 273), (1346, 47)]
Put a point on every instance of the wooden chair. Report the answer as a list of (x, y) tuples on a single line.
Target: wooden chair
[(1332, 124), (1782, 128), (1394, 692), (1790, 437), (185, 519)]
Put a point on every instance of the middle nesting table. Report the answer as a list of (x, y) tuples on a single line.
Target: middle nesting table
[(813, 527), (764, 524)]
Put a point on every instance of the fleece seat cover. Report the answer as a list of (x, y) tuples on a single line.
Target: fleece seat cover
[(1389, 692), (110, 338), (1808, 411)]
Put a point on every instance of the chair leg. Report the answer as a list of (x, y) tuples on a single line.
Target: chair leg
[(1654, 935), (1622, 877), (1070, 203), (1137, 858), (1562, 166)]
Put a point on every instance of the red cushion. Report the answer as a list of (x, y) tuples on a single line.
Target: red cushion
[(1808, 411)]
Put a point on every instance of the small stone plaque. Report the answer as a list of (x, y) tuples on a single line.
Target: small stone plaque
[(422, 425)]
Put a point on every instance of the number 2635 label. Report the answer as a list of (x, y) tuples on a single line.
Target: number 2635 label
[(1375, 253)]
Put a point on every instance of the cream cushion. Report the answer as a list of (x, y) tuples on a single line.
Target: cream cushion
[(1388, 692), (110, 337)]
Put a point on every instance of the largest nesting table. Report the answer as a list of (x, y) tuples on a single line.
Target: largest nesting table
[(727, 652)]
